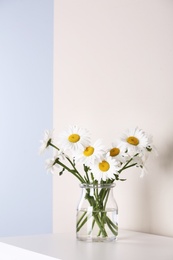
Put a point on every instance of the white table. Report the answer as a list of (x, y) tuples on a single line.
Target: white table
[(129, 246)]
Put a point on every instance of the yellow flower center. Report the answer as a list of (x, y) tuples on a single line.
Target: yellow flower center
[(74, 138), (133, 140), (114, 151), (89, 151), (104, 166)]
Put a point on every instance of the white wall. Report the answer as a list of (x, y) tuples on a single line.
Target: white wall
[(113, 71), (26, 82)]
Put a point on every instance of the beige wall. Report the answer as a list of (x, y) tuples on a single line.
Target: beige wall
[(113, 71)]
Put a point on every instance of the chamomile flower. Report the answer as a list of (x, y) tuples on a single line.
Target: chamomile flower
[(51, 164), (46, 141), (138, 160), (52, 167), (135, 141), (60, 155), (118, 153), (74, 138), (89, 154), (140, 163), (105, 169)]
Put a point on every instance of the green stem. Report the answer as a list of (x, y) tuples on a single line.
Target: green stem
[(128, 166), (112, 223), (83, 222), (49, 143), (83, 215), (100, 224), (74, 171), (109, 222), (107, 195), (70, 170)]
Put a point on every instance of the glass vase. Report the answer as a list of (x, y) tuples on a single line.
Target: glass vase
[(97, 214)]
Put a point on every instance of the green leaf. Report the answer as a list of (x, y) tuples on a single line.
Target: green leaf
[(149, 149), (61, 172), (122, 179)]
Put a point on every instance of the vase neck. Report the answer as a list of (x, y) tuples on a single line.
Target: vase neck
[(99, 186)]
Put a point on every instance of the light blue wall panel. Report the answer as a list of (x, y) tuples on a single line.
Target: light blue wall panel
[(26, 94)]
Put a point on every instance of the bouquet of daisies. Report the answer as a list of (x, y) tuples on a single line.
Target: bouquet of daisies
[(101, 166)]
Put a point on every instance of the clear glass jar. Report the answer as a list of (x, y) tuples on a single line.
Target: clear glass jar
[(97, 213)]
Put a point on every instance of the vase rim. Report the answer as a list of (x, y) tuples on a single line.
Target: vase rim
[(101, 185)]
